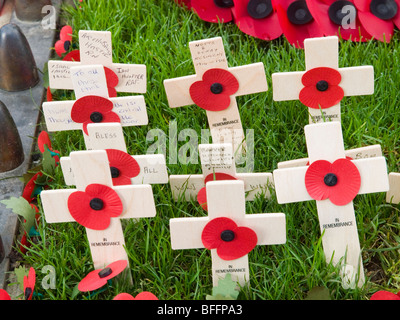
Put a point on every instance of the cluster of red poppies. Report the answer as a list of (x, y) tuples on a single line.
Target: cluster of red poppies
[(356, 20)]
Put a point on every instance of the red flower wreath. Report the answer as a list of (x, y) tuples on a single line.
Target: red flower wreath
[(93, 109), (297, 22), (339, 181), (123, 167), (329, 16), (214, 90), (257, 18), (29, 284), (213, 10), (65, 41), (94, 207), (321, 88), (99, 277), (232, 242), (378, 17)]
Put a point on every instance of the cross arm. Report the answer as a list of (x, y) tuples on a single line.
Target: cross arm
[(269, 227), (186, 232)]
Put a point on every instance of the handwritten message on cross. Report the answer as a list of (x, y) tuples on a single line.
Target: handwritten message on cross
[(98, 205), (228, 231), (215, 87), (95, 47), (323, 85), (333, 181)]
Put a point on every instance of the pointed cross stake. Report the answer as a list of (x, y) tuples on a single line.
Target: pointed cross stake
[(208, 54), (323, 52), (91, 80), (91, 167), (95, 47), (227, 199), (337, 222), (218, 158)]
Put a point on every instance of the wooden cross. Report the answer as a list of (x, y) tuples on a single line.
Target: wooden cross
[(91, 167), (227, 199), (95, 47), (323, 52), (225, 125), (218, 158), (337, 222), (90, 80), (393, 195), (153, 169)]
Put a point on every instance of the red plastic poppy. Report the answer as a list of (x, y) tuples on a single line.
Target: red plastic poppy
[(331, 20), (321, 88), (232, 242), (296, 21), (123, 167), (99, 277), (385, 295), (94, 207), (213, 10), (112, 82), (64, 43), (214, 91), (73, 55), (202, 196), (257, 18), (93, 109), (49, 95), (378, 17), (145, 295), (29, 284), (339, 181), (4, 295)]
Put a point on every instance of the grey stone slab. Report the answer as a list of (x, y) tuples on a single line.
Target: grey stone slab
[(24, 107)]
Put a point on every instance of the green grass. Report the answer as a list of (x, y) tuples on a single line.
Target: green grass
[(158, 35)]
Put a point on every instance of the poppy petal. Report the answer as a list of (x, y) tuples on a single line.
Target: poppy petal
[(314, 180), (312, 76), (245, 240), (145, 295), (73, 55), (211, 235), (66, 33), (4, 295), (29, 283), (85, 106), (380, 29), (312, 98), (59, 47), (208, 11), (124, 296), (385, 295), (127, 166), (228, 81)]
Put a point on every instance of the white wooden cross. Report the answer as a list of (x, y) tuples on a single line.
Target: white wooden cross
[(90, 80), (218, 158), (227, 199), (225, 125), (323, 52), (91, 167), (393, 195), (338, 224), (95, 47)]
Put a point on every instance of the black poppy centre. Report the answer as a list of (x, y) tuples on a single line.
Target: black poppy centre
[(67, 45), (384, 9), (114, 172), (105, 272), (298, 13), (96, 204), (227, 235), (330, 179), (223, 3), (216, 88), (259, 9), (96, 117), (340, 10), (322, 85)]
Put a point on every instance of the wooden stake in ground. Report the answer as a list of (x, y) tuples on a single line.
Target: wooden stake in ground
[(218, 163), (98, 205), (228, 231), (215, 87), (95, 47), (333, 181), (323, 85)]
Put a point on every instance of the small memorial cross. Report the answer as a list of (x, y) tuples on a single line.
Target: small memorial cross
[(393, 195), (95, 47), (228, 231), (333, 181), (98, 205), (323, 85), (215, 87), (218, 163)]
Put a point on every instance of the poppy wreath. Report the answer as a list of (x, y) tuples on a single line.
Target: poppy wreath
[(360, 20), (339, 181)]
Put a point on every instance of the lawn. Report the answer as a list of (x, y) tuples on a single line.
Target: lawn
[(157, 33)]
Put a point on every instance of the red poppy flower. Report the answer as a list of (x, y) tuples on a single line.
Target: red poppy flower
[(112, 82), (257, 18), (232, 242), (73, 55), (385, 295), (339, 181), (214, 90), (94, 207), (202, 196), (65, 41), (145, 295), (333, 21), (123, 167), (378, 17), (296, 21), (321, 88), (99, 277), (49, 96), (4, 295), (30, 187), (213, 10), (29, 284), (93, 109)]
